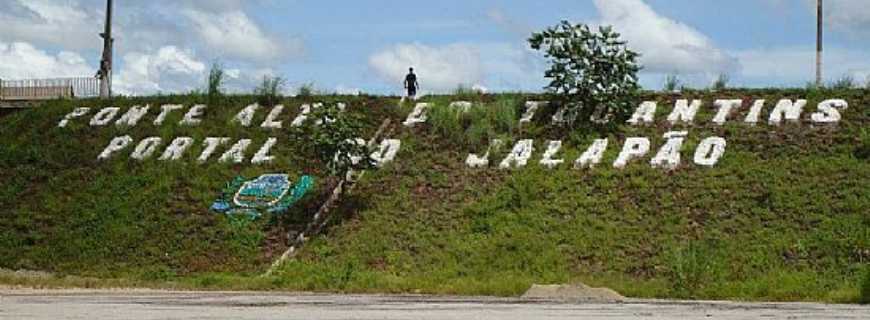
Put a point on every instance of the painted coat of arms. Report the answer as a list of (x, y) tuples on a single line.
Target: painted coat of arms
[(272, 193)]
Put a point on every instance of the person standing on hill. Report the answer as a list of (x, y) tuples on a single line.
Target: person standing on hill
[(411, 84)]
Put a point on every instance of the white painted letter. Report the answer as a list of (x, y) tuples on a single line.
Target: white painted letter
[(829, 111), (77, 112), (211, 144), (709, 151), (236, 154), (146, 148), (668, 156), (303, 115), (520, 154), (475, 161), (387, 152), (166, 110), (531, 108), (192, 116), (246, 116), (788, 109), (725, 109), (271, 120), (104, 116), (645, 113), (117, 144), (559, 117), (684, 112), (341, 107), (633, 148), (176, 149), (592, 156), (755, 112), (132, 117), (417, 116), (553, 147), (464, 106), (263, 156)]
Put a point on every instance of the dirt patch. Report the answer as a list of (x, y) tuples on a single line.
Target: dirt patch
[(573, 293)]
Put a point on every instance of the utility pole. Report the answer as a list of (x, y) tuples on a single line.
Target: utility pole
[(105, 73), (819, 33)]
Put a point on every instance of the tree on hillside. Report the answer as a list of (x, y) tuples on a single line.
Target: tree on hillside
[(593, 74), (336, 139)]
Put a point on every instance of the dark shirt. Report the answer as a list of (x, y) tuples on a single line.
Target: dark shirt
[(411, 80)]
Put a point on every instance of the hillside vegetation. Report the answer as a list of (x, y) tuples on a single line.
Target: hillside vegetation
[(785, 215)]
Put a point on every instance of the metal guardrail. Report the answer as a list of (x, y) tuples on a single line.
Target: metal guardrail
[(45, 89)]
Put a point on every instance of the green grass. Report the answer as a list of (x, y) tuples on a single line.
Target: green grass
[(782, 217), (865, 286)]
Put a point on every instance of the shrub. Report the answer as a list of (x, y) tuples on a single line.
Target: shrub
[(333, 137), (269, 91), (672, 83), (215, 80), (306, 90), (844, 83), (721, 82), (593, 74)]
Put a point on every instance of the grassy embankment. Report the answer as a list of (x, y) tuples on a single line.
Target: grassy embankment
[(783, 216)]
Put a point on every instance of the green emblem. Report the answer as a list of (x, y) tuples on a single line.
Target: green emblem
[(273, 193)]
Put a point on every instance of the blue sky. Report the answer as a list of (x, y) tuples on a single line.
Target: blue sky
[(348, 46)]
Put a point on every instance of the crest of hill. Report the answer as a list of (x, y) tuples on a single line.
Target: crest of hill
[(783, 216)]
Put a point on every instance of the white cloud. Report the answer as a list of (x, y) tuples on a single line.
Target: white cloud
[(852, 16), (219, 29), (241, 80), (666, 45), (795, 66), (234, 34), (43, 21), (509, 66), (440, 68), (169, 69), (510, 24), (20, 60)]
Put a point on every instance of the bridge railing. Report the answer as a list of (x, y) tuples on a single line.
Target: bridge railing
[(45, 89)]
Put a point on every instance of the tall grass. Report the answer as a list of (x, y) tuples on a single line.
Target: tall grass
[(215, 80), (268, 92), (845, 82), (481, 123), (864, 296), (691, 267), (306, 90), (448, 122), (672, 83), (493, 120), (464, 92), (862, 150), (721, 82)]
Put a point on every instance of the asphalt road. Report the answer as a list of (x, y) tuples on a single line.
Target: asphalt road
[(148, 304)]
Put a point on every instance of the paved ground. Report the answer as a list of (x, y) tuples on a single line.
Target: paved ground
[(146, 304)]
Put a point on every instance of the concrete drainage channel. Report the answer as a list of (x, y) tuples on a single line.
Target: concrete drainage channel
[(156, 304)]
